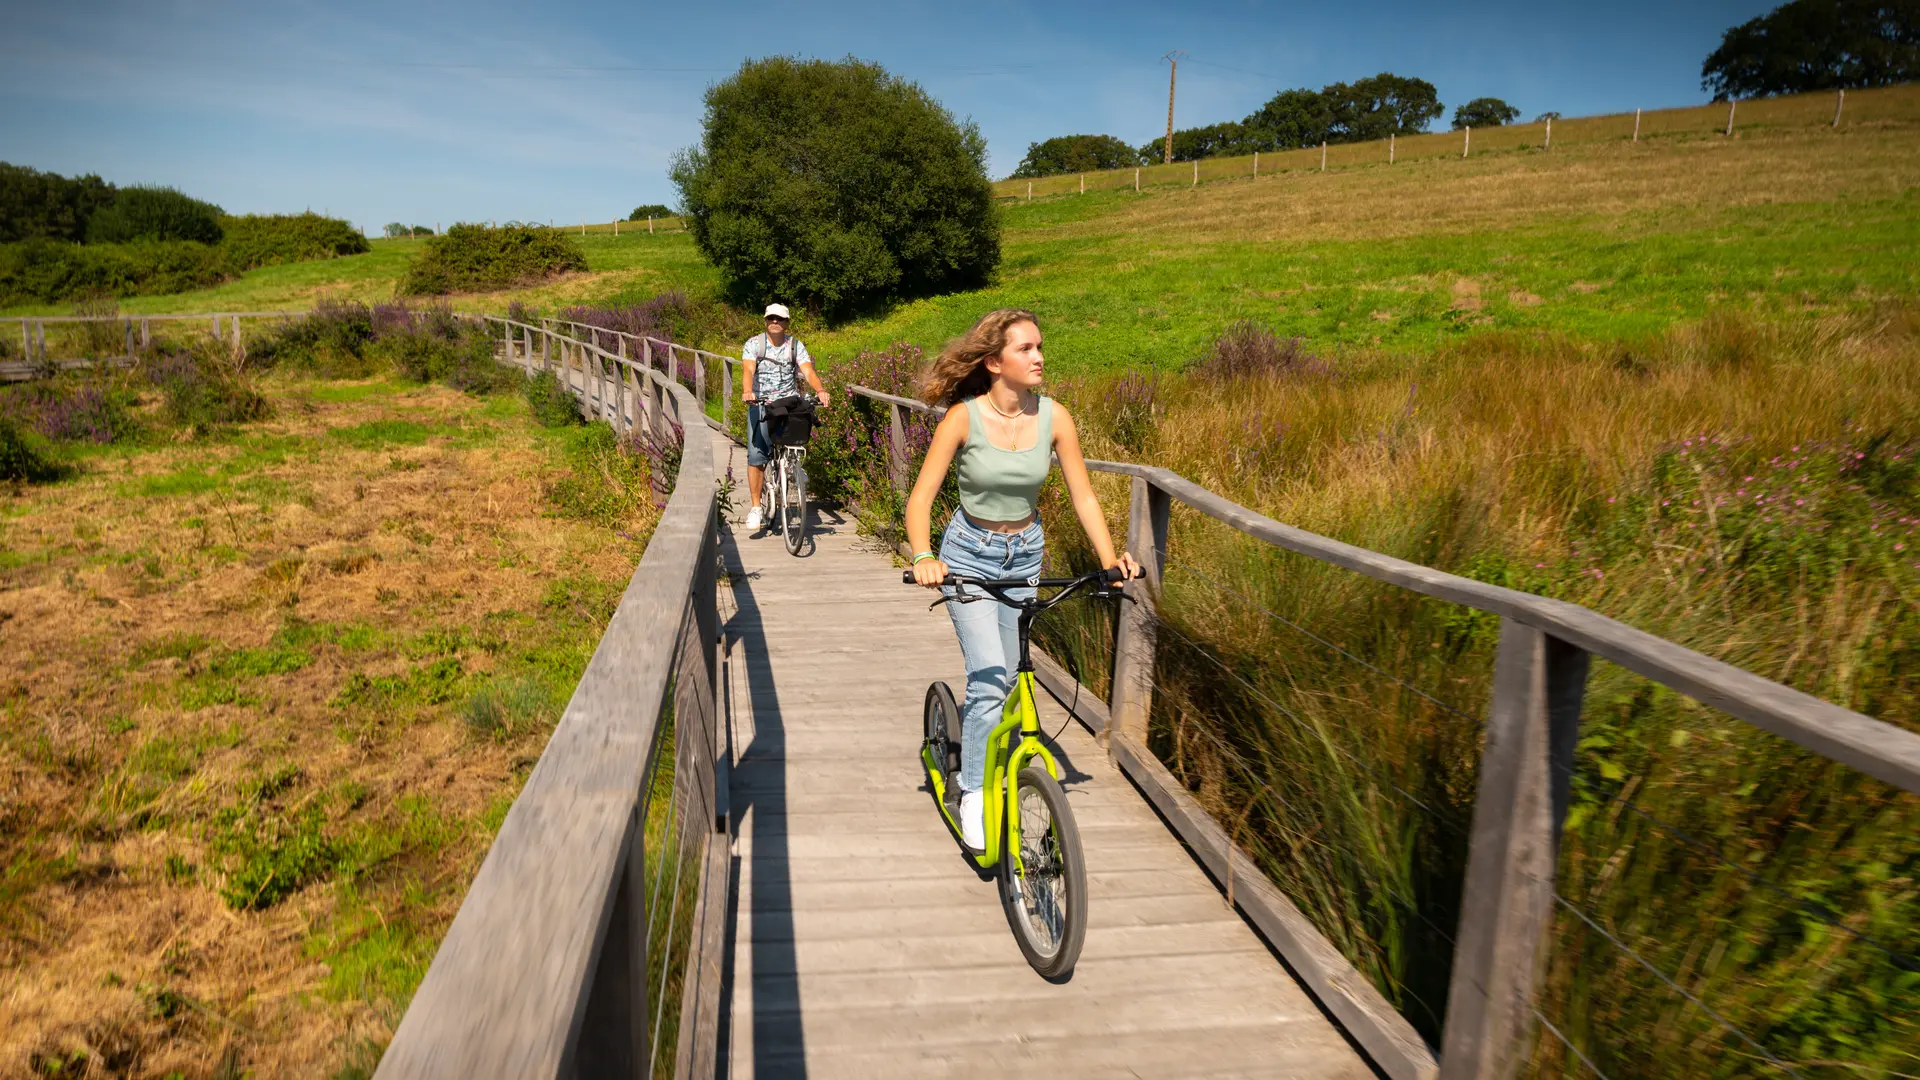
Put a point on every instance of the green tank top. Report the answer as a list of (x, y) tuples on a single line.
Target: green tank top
[(1003, 485)]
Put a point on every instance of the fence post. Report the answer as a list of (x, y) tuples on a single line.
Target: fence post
[(1548, 144), (216, 328), (1323, 155), (1389, 147), (1466, 140), (1839, 103), (649, 224), (1132, 698), (1636, 125), (1196, 173), (1506, 903), (1083, 183), (1029, 191), (235, 320), (1731, 102), (146, 333), (1256, 164), (1136, 181), (897, 447)]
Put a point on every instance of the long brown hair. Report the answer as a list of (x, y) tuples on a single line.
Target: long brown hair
[(960, 371)]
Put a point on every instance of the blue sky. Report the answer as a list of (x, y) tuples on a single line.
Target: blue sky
[(437, 112)]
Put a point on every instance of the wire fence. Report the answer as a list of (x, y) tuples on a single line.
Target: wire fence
[(1837, 111)]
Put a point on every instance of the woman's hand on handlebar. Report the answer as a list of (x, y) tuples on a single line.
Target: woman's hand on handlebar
[(1128, 567), (929, 573)]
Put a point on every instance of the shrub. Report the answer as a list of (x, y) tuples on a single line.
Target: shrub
[(50, 271), (256, 240), (550, 403), (1075, 153), (1248, 350), (838, 185), (20, 459), (64, 411), (330, 342), (155, 213), (202, 393), (650, 210), (433, 346), (474, 258)]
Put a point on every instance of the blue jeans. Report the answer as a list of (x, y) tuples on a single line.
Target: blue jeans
[(759, 439), (988, 630)]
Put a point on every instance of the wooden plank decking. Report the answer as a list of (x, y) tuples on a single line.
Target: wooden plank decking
[(864, 943)]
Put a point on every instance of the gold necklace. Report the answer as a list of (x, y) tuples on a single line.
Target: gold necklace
[(1014, 415)]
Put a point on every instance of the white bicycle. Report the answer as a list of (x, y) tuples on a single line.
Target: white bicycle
[(783, 497)]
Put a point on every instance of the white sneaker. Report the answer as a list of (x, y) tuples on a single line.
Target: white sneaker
[(973, 820), (754, 519)]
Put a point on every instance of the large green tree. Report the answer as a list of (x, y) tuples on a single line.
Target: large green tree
[(1484, 112), (1386, 104), (837, 185), (1293, 119), (1075, 154), (35, 204), (1817, 45)]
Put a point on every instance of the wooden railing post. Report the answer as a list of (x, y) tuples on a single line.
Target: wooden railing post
[(146, 333), (506, 341), (700, 379), (897, 447), (726, 395), (1132, 697), (1506, 905), (129, 340)]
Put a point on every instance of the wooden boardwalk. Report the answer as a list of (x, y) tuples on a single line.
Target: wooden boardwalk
[(865, 944)]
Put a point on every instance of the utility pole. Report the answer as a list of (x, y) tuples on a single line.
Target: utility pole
[(1173, 58)]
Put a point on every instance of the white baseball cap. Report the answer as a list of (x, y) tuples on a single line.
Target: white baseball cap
[(777, 309)]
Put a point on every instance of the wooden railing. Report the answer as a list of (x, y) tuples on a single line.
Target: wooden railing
[(1533, 722), (136, 335), (597, 923)]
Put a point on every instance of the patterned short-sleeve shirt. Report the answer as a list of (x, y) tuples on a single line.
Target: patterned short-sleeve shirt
[(776, 372)]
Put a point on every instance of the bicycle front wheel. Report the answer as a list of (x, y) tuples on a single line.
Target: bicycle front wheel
[(794, 513), (1046, 896)]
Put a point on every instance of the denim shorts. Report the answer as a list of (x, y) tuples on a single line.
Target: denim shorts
[(759, 438)]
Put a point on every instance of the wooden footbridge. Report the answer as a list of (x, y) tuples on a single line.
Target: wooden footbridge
[(726, 863)]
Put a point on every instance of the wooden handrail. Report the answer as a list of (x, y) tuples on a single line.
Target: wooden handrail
[(544, 969)]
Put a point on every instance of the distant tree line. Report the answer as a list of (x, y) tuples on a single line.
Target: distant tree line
[(1342, 112), (397, 229), (66, 238), (650, 210)]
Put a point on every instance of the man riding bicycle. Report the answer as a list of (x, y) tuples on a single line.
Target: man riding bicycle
[(774, 363)]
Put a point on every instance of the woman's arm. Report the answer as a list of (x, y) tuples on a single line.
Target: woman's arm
[(1086, 505), (947, 440)]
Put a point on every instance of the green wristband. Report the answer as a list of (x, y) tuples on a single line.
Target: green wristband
[(922, 555)]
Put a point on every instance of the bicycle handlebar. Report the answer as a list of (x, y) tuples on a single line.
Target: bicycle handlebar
[(1113, 575)]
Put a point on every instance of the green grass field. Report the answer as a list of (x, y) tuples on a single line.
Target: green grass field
[(1602, 240)]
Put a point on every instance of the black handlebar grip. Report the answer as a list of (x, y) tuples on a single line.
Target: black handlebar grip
[(1116, 574), (906, 578)]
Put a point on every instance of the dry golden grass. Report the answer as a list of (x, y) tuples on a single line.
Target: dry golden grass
[(1632, 188), (416, 519)]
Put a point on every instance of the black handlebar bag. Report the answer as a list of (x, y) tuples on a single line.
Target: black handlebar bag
[(790, 421)]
